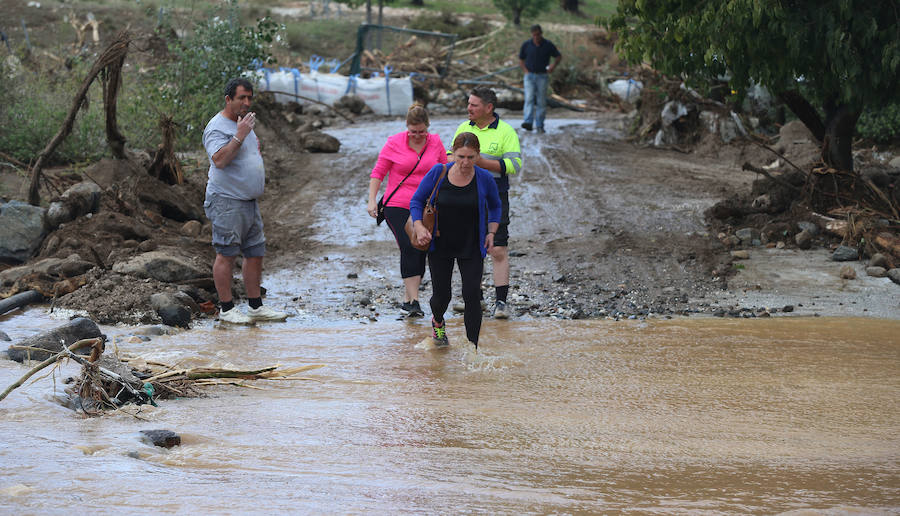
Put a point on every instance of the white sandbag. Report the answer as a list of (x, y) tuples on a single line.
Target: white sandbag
[(384, 97), (626, 89)]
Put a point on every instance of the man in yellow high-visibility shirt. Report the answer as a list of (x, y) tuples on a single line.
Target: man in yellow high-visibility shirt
[(501, 155)]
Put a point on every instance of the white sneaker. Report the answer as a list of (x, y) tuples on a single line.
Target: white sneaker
[(500, 310), (235, 316), (264, 313)]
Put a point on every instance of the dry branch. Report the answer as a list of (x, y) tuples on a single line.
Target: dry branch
[(62, 354)]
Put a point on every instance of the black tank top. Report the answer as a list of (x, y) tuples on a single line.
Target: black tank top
[(457, 220)]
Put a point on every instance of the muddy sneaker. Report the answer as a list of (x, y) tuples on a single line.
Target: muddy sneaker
[(414, 309), (500, 310), (235, 316), (526, 126), (540, 130), (439, 334), (264, 313)]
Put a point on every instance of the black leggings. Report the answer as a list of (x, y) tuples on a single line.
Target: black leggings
[(470, 269), (412, 261)]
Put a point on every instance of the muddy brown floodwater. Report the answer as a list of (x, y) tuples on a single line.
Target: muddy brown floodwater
[(689, 416), (551, 415)]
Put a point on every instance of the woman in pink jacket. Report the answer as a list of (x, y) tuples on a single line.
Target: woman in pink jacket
[(405, 159)]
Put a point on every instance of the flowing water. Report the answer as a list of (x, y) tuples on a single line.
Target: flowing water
[(682, 416)]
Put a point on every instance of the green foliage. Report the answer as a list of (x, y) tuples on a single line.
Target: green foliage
[(189, 86), (35, 111), (448, 23), (514, 10), (845, 51), (880, 125)]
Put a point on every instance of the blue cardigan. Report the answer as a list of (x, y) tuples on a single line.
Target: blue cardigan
[(488, 200)]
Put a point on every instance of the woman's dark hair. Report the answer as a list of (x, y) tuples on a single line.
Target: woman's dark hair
[(416, 115), (232, 85), (466, 140)]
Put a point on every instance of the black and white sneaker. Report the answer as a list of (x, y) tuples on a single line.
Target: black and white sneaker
[(413, 309)]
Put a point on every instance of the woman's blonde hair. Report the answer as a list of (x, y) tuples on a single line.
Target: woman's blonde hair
[(416, 115), (467, 140)]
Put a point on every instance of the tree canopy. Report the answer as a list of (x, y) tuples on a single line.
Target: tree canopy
[(822, 57)]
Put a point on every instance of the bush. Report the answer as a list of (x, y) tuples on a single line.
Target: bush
[(881, 125), (189, 87), (36, 109)]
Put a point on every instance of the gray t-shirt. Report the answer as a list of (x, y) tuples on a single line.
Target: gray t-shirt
[(245, 177)]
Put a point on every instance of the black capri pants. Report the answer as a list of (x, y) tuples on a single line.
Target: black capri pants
[(412, 261)]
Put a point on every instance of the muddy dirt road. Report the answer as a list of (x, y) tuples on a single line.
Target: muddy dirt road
[(599, 227)]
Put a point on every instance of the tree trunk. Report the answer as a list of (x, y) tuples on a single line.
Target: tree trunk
[(418, 3), (805, 112), (517, 17), (837, 144), (369, 12), (570, 6)]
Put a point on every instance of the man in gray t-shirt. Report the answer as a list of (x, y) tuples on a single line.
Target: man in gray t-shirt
[(236, 179)]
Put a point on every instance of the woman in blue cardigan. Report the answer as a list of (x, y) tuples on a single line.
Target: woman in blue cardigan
[(468, 217)]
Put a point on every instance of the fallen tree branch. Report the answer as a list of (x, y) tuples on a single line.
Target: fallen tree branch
[(62, 354), (758, 170)]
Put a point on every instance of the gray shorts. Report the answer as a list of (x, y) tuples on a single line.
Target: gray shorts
[(237, 226)]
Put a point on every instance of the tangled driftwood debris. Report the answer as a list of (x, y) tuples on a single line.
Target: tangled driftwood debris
[(108, 382)]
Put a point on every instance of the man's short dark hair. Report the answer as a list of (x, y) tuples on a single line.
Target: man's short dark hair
[(486, 95), (231, 87), (536, 28)]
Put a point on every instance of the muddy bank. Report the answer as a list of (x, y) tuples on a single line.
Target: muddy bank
[(601, 227)]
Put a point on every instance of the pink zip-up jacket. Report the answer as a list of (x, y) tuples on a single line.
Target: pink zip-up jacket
[(396, 159)]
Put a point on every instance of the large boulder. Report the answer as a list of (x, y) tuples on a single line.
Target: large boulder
[(21, 231), (165, 266), (54, 340), (78, 200), (318, 141)]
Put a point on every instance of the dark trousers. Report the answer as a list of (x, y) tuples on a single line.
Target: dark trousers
[(470, 270), (412, 261)]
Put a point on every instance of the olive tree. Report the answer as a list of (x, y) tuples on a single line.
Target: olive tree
[(825, 59)]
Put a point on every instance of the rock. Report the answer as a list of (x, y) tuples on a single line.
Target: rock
[(71, 268), (809, 227), (803, 239), (878, 260), (4, 336), (788, 308), (175, 315), (21, 230), (894, 274), (876, 272), (779, 245), (894, 163), (171, 309), (191, 228), (161, 438), (845, 254), (728, 130), (848, 272), (55, 339), (80, 199), (352, 103), (747, 235), (320, 142), (163, 266), (170, 202), (740, 255)]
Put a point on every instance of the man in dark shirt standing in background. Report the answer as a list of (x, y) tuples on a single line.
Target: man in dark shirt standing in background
[(534, 59)]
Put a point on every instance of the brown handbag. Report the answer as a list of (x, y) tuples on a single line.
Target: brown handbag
[(429, 215)]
